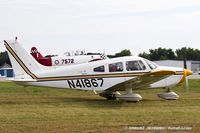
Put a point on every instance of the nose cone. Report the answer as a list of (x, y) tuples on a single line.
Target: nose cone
[(188, 72)]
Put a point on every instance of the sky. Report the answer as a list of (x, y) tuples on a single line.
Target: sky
[(57, 26)]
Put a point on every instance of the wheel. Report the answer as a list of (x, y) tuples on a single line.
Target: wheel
[(111, 98)]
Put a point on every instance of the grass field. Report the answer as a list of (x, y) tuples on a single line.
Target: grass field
[(39, 109)]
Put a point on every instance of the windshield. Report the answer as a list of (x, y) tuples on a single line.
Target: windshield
[(151, 64)]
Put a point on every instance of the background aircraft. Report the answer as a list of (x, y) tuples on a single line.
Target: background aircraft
[(107, 77), (66, 59)]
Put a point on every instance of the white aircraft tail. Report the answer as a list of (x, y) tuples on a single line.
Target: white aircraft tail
[(24, 65)]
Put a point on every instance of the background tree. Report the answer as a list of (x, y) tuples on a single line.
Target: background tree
[(145, 55), (189, 53), (4, 58), (159, 54), (125, 52), (162, 54)]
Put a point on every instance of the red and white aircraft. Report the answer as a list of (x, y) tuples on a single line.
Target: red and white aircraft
[(106, 77), (67, 58)]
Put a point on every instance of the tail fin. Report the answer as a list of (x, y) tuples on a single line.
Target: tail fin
[(22, 62), (46, 61), (35, 53)]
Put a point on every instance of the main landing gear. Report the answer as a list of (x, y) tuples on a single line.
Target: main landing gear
[(168, 95), (129, 96)]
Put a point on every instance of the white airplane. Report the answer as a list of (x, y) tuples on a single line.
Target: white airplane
[(66, 59), (105, 77)]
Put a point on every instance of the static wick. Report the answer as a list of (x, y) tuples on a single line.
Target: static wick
[(15, 38)]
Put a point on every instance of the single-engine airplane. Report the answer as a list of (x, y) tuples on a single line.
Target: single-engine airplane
[(66, 59), (105, 77)]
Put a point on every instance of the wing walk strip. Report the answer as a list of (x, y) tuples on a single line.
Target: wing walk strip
[(73, 77)]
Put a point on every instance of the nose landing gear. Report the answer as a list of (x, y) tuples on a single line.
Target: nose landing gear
[(168, 95)]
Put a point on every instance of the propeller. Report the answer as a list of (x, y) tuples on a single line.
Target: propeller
[(186, 73)]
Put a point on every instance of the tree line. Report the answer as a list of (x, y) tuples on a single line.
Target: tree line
[(164, 54), (169, 54), (154, 54)]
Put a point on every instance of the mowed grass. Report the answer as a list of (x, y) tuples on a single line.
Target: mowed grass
[(42, 109)]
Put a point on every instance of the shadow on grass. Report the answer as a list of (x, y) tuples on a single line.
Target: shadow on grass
[(68, 101), (92, 102), (101, 102), (80, 101)]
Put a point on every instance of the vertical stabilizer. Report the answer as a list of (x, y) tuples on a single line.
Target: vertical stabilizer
[(46, 61), (36, 54), (22, 62)]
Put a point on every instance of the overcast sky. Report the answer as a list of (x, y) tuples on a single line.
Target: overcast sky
[(56, 26)]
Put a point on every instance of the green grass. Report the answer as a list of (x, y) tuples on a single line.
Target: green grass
[(40, 109)]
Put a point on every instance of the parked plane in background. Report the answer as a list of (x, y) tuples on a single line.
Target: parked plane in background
[(66, 59), (106, 77)]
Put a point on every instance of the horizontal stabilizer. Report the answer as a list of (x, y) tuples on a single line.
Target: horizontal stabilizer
[(24, 80)]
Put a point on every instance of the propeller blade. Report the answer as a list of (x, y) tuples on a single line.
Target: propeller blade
[(185, 63), (187, 72)]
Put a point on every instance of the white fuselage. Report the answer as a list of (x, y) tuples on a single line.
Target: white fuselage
[(83, 76)]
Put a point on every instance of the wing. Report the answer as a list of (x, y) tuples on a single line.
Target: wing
[(142, 81)]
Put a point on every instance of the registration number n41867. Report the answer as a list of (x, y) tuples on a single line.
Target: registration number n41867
[(85, 83)]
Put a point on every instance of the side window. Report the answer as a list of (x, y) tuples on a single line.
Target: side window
[(142, 65), (135, 65), (99, 69), (116, 67)]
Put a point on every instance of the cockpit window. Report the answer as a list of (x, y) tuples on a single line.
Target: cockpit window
[(99, 69), (116, 67), (135, 65), (151, 64)]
